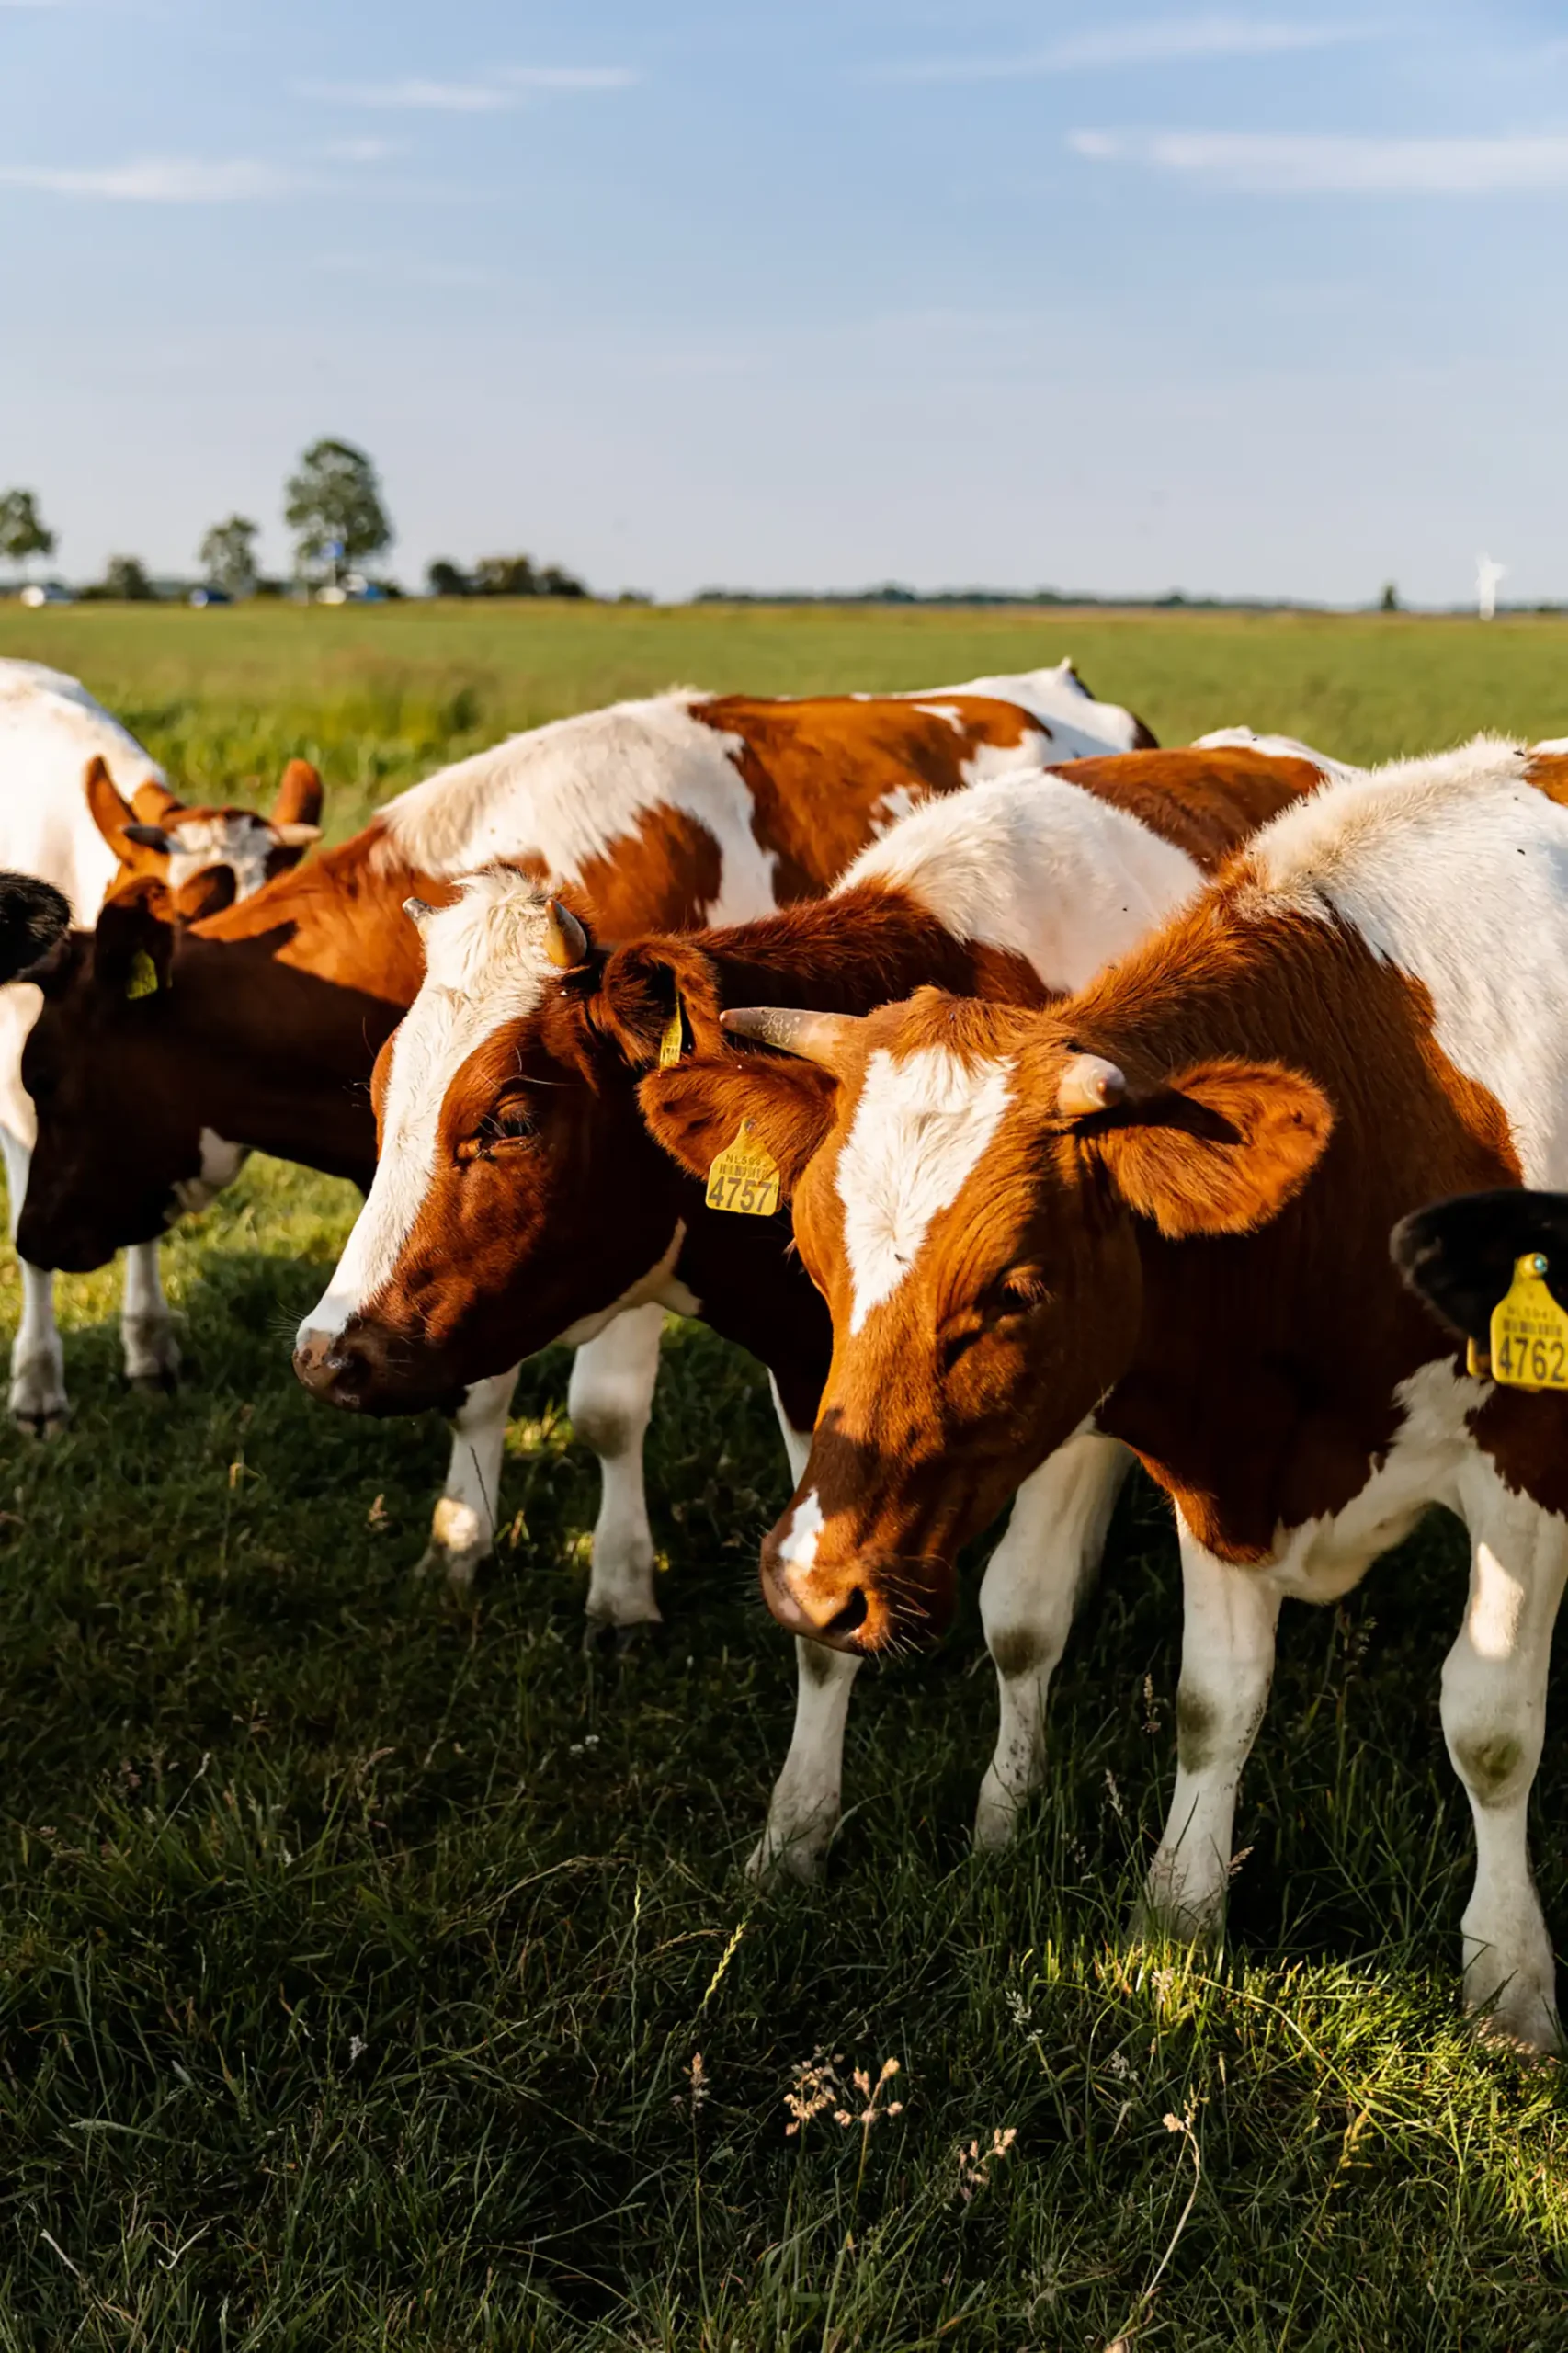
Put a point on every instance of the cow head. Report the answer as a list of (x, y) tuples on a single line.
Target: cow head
[(119, 1152), (970, 1184), (161, 837), (517, 1198), (33, 916)]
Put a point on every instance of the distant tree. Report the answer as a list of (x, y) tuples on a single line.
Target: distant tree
[(125, 581), (516, 576), (227, 556), (23, 533), (334, 501), (446, 579), (1389, 601)]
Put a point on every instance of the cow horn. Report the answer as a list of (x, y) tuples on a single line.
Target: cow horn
[(149, 837), (294, 834), (418, 910), (823, 1038), (1089, 1083), (565, 941)]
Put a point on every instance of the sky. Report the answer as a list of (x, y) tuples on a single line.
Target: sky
[(1233, 299)]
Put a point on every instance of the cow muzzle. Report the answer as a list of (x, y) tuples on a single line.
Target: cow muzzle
[(366, 1371), (867, 1604)]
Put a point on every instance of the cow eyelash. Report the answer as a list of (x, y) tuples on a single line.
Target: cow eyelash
[(510, 1122)]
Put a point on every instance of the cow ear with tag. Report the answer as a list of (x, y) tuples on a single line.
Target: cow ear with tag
[(133, 943), (658, 999), (698, 1109)]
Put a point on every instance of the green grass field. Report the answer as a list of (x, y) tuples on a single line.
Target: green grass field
[(357, 1949)]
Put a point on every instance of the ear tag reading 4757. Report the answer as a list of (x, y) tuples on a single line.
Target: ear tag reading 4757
[(1529, 1331), (142, 978), (671, 1045), (743, 1177)]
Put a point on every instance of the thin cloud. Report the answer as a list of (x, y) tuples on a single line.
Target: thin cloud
[(359, 151), (571, 77), (401, 270), (1331, 164), (161, 180), (1156, 42), (436, 97)]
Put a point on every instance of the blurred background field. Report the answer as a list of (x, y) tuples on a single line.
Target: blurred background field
[(357, 1949)]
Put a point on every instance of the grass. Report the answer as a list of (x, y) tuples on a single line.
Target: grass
[(355, 1948)]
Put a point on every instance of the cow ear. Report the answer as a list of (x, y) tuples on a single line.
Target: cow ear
[(1220, 1150), (113, 815), (644, 989), (133, 941), (207, 893), (154, 804), (695, 1107), (300, 796)]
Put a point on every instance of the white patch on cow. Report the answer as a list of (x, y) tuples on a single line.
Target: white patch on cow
[(220, 1164), (569, 794), (1079, 727), (802, 1533), (237, 838), (485, 965), (1455, 871), (1274, 747), (1036, 865), (660, 1287), (919, 1129)]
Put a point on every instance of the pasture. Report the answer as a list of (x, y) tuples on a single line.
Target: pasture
[(377, 1970)]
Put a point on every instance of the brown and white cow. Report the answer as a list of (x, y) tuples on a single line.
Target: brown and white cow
[(519, 1197), (265, 1018), (1160, 1212), (82, 805)]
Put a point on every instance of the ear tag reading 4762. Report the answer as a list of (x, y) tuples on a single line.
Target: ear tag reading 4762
[(1529, 1331), (142, 978), (743, 1177)]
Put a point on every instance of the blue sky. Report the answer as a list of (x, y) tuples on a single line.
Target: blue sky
[(1234, 298)]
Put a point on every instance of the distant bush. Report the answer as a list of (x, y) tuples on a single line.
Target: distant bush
[(125, 582), (516, 575), (447, 579)]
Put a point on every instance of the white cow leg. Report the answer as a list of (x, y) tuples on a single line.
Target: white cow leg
[(37, 1398), (462, 1532), (1494, 1721), (1027, 1602), (146, 1327), (808, 1796), (609, 1400), (1227, 1659)]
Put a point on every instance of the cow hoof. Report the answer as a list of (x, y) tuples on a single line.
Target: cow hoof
[(775, 1860), (603, 1639), (46, 1421), (451, 1566), (150, 1352), (162, 1383)]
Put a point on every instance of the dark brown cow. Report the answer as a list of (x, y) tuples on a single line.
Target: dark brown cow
[(519, 1196), (1160, 1212)]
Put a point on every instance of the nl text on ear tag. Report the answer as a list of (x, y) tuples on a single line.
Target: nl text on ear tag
[(143, 979), (1529, 1331), (743, 1177), (671, 1045)]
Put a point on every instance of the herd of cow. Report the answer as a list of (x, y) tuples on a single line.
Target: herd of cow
[(1025, 1098)]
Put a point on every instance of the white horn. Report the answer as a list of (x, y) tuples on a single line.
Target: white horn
[(824, 1037), (1089, 1083), (565, 941), (294, 834), (418, 910)]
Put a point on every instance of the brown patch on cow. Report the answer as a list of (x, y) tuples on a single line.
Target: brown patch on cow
[(668, 860), (1207, 803), (1548, 771), (1522, 1430), (822, 773), (153, 804)]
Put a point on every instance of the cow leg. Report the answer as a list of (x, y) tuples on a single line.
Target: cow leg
[(146, 1327), (609, 1400), (1227, 1659), (1494, 1721), (803, 1811), (464, 1529), (38, 1360), (1030, 1590)]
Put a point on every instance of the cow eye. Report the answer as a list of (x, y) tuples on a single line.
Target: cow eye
[(511, 1122), (1016, 1293)]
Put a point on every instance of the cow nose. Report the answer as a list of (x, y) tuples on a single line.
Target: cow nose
[(331, 1368), (833, 1617)]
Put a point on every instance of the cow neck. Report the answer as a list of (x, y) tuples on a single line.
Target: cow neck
[(338, 917), (1262, 1386), (862, 948)]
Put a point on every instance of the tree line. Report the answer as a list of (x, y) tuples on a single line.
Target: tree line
[(333, 507)]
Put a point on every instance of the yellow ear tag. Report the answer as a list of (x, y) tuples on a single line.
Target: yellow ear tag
[(1529, 1331), (743, 1178), (143, 980), (671, 1045)]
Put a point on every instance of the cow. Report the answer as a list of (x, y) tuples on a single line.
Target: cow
[(82, 805), (678, 809), (1460, 1255), (1159, 1212), (519, 1197)]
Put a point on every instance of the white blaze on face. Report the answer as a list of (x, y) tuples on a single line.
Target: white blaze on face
[(920, 1128), (242, 841), (484, 965)]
